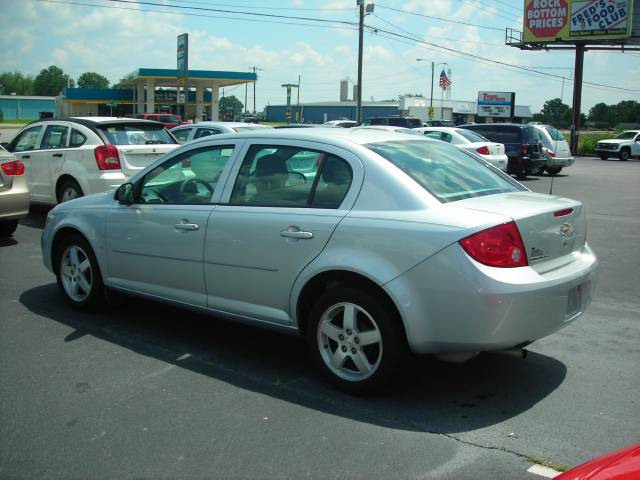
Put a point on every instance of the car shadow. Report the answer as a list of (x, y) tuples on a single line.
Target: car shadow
[(37, 216), (7, 241), (427, 395)]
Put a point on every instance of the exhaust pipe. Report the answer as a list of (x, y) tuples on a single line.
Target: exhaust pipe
[(516, 352)]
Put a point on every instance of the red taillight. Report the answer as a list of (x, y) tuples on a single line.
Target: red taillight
[(525, 149), (483, 150), (13, 168), (499, 246), (563, 213), (107, 157), (551, 153)]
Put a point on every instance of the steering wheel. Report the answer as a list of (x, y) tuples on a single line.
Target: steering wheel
[(189, 186)]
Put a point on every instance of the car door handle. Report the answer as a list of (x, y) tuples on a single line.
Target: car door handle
[(57, 154), (25, 156), (294, 232), (186, 226)]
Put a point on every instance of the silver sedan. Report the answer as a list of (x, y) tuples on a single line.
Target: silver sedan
[(14, 193), (365, 241)]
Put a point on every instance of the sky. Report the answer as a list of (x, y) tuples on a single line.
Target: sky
[(114, 38)]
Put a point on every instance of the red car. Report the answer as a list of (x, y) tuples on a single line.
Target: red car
[(169, 120), (622, 464)]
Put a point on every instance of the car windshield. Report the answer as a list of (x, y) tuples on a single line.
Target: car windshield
[(136, 134), (446, 172), (169, 119), (627, 135), (554, 133), (471, 136)]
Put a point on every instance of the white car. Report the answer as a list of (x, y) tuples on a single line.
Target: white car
[(66, 158), (555, 148), (340, 123), (390, 128), (624, 146), (186, 133), (386, 242), (471, 141)]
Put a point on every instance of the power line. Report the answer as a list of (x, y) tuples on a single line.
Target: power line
[(501, 30), (266, 7), (113, 7), (477, 4)]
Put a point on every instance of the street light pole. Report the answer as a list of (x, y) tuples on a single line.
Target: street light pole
[(432, 71), (255, 69)]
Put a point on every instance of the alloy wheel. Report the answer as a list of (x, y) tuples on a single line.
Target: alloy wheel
[(349, 341), (76, 273)]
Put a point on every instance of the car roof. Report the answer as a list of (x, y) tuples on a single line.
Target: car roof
[(500, 125), (224, 124), (444, 129), (344, 136)]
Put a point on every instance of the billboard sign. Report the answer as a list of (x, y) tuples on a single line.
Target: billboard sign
[(547, 21), (183, 56), (496, 104)]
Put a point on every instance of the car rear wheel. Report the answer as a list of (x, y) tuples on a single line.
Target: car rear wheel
[(8, 227), (554, 170), (69, 190), (624, 154), (604, 157), (521, 174), (354, 339), (78, 273)]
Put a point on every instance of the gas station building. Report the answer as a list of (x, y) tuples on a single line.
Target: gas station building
[(153, 90)]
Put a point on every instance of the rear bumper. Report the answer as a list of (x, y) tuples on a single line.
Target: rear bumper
[(14, 202), (560, 162), (450, 303), (526, 163), (104, 181)]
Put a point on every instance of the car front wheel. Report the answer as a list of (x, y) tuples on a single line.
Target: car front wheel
[(354, 339), (624, 154), (604, 157), (78, 273)]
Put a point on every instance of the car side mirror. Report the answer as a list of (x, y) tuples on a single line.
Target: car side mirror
[(124, 194)]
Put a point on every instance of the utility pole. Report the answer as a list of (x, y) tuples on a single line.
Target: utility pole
[(577, 98), (360, 3), (298, 102), (245, 98), (255, 69)]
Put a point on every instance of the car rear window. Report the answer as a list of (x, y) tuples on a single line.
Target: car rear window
[(447, 173), (503, 135), (473, 137), (554, 133), (136, 134)]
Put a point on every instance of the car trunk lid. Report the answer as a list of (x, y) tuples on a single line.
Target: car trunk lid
[(551, 227), (136, 157)]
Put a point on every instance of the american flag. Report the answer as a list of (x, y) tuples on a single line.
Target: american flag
[(444, 81)]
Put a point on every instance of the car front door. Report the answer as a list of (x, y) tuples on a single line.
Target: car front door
[(635, 146), (155, 245), (24, 146), (275, 218)]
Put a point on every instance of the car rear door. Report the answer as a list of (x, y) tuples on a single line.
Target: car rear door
[(51, 156), (25, 147), (266, 231), (155, 245)]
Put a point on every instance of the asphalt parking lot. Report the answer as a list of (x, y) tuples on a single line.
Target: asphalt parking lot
[(147, 391)]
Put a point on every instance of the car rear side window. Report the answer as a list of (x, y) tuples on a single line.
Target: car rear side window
[(136, 134), (473, 137), (206, 132), (283, 176), (554, 133), (181, 134), (447, 173)]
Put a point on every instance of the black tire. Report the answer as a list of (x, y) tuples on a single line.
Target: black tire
[(85, 300), (69, 189), (625, 154), (383, 356), (8, 227), (604, 157), (521, 174), (554, 170)]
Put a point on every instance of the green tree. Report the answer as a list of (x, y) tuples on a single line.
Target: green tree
[(229, 105), (600, 112), (627, 111), (16, 82), (93, 80), (50, 81), (555, 112)]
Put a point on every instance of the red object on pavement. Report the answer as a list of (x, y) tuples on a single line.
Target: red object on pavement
[(622, 464)]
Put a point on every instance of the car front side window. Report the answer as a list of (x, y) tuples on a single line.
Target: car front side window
[(55, 136), (27, 140), (190, 178)]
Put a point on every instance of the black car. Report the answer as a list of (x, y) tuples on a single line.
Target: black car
[(394, 121), (440, 123), (522, 144)]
